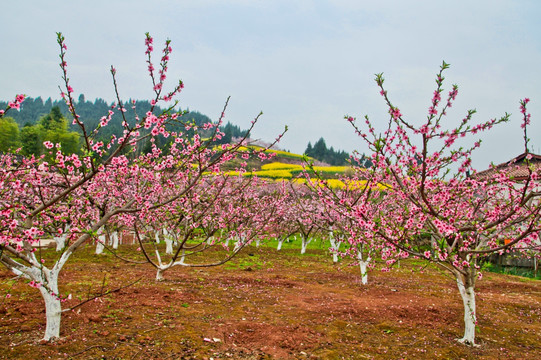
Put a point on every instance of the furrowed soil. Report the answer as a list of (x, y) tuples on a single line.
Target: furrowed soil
[(268, 304)]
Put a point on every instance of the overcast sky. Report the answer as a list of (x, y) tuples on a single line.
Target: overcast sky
[(305, 64)]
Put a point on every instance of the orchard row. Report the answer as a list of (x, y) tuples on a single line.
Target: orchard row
[(420, 198)]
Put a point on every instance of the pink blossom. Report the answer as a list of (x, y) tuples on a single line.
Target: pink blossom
[(14, 105), (437, 97), (395, 113)]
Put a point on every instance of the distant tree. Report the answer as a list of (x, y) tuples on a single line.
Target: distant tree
[(31, 141), (319, 151), (309, 149), (52, 127), (55, 129), (9, 135)]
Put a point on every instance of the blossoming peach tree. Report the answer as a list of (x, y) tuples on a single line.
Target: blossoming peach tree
[(80, 193), (423, 199), (218, 207)]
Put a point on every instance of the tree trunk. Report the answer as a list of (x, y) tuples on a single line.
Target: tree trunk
[(159, 276), (467, 292), (335, 245), (280, 242), (168, 246), (239, 244), (53, 312), (60, 242), (100, 244), (363, 266), (304, 246), (49, 291), (114, 237)]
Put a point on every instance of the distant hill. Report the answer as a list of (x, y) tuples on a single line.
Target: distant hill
[(91, 112)]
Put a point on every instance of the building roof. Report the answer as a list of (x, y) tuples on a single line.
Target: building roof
[(517, 167)]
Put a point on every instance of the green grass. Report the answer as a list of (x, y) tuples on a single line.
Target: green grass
[(513, 270)]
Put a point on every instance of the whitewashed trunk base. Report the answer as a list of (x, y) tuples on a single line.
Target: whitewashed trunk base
[(335, 246), (168, 246), (115, 240), (100, 244), (53, 312), (470, 318), (304, 245), (60, 242), (363, 265)]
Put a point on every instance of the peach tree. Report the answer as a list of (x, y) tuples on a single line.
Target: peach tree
[(422, 198)]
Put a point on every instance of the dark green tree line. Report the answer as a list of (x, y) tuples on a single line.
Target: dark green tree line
[(319, 151)]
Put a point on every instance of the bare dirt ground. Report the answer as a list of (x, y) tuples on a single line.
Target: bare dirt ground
[(269, 305)]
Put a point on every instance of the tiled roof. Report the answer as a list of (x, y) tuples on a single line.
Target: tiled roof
[(517, 168)]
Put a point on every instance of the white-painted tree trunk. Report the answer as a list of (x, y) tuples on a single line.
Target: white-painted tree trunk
[(363, 265), (257, 242), (115, 240), (364, 272), (470, 317), (335, 246), (280, 243), (159, 276), (239, 244), (168, 246), (161, 267), (60, 242), (48, 279), (53, 311), (100, 244), (304, 246), (183, 256)]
